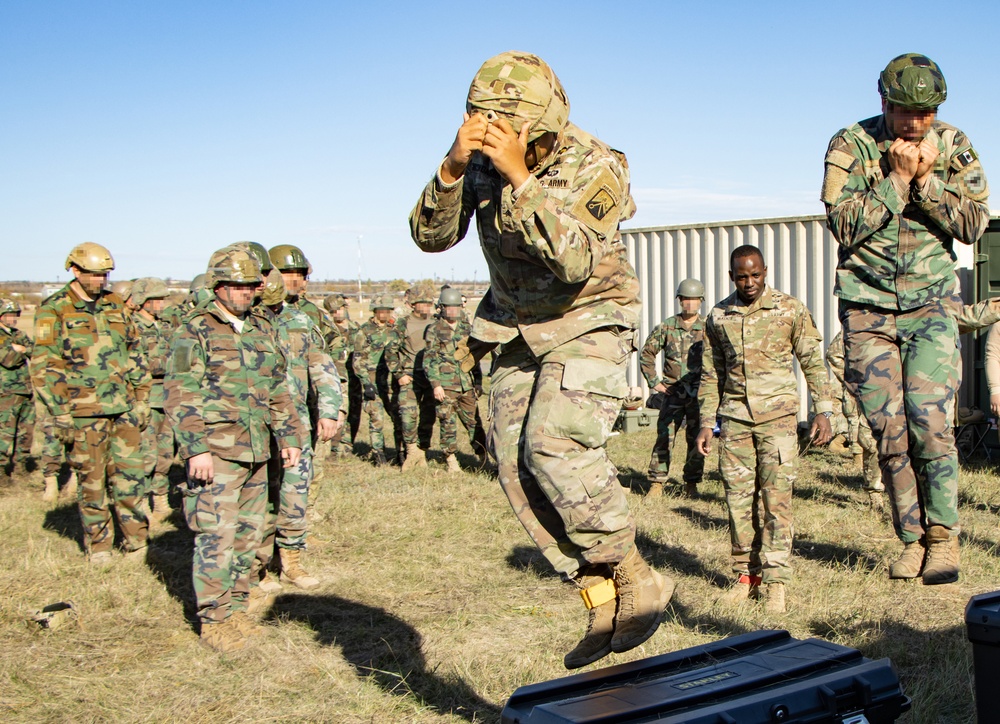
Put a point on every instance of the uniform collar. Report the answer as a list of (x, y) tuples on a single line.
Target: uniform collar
[(735, 306)]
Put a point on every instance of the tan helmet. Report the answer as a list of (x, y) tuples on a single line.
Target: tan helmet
[(333, 302), (420, 292), (148, 288), (274, 289), (383, 301), (231, 264), (522, 88), (8, 305), (286, 257), (90, 257), (123, 289)]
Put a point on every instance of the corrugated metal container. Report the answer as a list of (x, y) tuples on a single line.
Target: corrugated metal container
[(801, 257)]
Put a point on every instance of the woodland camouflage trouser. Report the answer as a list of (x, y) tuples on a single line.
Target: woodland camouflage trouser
[(460, 407), (17, 425), (677, 408), (158, 452), (416, 411)]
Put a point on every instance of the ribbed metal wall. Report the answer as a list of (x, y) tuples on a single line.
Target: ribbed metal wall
[(801, 256)]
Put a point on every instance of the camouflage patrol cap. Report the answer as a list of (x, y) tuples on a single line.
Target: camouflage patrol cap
[(524, 89), (383, 301), (230, 264), (90, 257), (148, 288), (420, 292), (198, 283), (913, 81), (274, 289), (259, 253), (286, 257), (691, 288), (450, 297), (9, 305), (123, 289), (333, 302)]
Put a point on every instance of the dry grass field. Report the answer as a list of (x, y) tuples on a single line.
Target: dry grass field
[(434, 606)]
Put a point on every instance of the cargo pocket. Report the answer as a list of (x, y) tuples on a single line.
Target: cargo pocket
[(587, 406)]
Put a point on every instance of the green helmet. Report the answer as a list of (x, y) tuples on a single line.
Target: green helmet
[(274, 289), (691, 288), (286, 257), (450, 297), (230, 264), (383, 301), (420, 292), (198, 283), (9, 306), (259, 253), (123, 289), (148, 288), (522, 88), (90, 257), (913, 81), (333, 302)]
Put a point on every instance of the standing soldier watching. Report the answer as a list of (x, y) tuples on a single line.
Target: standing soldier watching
[(404, 356), (295, 269), (149, 295), (340, 346), (174, 314), (17, 407), (680, 339), (370, 367), (899, 188), (88, 368), (747, 379), (548, 198), (226, 395), (455, 379)]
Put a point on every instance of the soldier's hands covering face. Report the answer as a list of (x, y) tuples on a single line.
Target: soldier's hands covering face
[(904, 159), (506, 150), (928, 155), (468, 140)]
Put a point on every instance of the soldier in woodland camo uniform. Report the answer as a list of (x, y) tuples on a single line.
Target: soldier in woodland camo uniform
[(340, 347), (547, 199), (173, 315), (455, 378), (370, 366), (751, 339), (89, 370), (900, 188), (404, 355), (680, 339), (17, 407), (226, 395)]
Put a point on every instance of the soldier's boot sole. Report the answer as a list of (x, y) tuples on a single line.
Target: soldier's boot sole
[(942, 557), (643, 595), (910, 561)]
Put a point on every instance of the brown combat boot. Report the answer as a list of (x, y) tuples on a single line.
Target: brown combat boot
[(859, 460), (655, 489), (242, 622), (691, 490), (415, 457), (597, 588), (69, 492), (876, 500), (838, 445), (745, 588), (222, 637), (910, 561), (643, 594), (942, 556), (774, 597), (51, 493), (452, 462), (161, 510), (293, 572)]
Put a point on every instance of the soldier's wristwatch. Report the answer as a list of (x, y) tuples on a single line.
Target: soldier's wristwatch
[(828, 415)]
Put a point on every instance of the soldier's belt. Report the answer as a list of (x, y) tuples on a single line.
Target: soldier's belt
[(599, 594)]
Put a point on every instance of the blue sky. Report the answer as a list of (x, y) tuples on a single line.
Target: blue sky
[(167, 130)]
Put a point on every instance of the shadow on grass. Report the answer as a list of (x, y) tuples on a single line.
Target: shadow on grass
[(169, 558), (833, 554), (703, 520), (822, 494), (967, 501), (529, 559), (385, 650), (681, 560), (65, 520)]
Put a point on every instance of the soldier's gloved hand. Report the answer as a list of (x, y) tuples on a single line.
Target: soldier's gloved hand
[(64, 429), (140, 410), (370, 392)]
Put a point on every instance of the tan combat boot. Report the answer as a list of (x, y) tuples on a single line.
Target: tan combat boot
[(942, 556), (643, 594), (69, 492), (161, 510), (876, 500), (242, 622), (859, 460), (597, 588), (452, 462), (745, 588), (293, 572), (655, 490), (415, 457), (838, 445), (51, 493), (774, 597), (910, 561), (222, 637)]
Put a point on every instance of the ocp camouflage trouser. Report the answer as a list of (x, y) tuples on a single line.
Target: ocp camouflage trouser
[(107, 458), (758, 465), (226, 516), (157, 452), (903, 369), (677, 407), (549, 420), (460, 406), (17, 425), (286, 523), (416, 411)]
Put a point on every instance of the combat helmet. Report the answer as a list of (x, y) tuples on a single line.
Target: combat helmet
[(383, 301), (259, 253), (333, 302), (148, 288), (9, 305), (420, 292), (90, 257), (691, 288), (522, 88), (230, 264), (450, 297), (913, 81), (123, 289), (198, 283), (274, 289), (286, 257)]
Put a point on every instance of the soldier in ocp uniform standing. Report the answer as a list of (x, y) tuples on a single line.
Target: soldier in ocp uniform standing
[(680, 340), (751, 339), (370, 367), (455, 377), (899, 189), (89, 370), (17, 407), (563, 304), (225, 395), (340, 346)]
